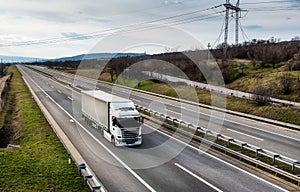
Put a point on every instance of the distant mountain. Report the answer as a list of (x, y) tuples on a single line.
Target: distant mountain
[(17, 59), (97, 56)]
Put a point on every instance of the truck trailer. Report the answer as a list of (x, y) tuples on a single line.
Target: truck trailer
[(116, 117)]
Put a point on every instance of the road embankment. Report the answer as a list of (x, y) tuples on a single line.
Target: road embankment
[(4, 87)]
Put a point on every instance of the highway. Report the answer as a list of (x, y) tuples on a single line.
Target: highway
[(162, 163), (267, 136)]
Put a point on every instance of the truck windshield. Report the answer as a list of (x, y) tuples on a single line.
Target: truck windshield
[(128, 122)]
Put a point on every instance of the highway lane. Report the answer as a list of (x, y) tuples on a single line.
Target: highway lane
[(112, 176), (123, 182), (185, 169), (274, 138)]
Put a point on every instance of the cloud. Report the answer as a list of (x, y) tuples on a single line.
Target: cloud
[(74, 35), (99, 20), (253, 27), (297, 2), (12, 38), (172, 2)]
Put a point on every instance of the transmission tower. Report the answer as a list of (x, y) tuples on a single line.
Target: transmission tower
[(237, 16), (237, 11)]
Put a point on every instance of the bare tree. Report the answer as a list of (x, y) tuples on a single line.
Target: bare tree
[(294, 64), (262, 95), (286, 83)]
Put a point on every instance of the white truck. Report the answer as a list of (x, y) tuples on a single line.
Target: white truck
[(116, 117)]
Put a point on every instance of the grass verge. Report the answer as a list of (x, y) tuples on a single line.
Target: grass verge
[(41, 162)]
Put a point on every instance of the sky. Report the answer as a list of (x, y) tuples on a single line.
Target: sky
[(46, 29)]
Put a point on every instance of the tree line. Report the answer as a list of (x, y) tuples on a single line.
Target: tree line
[(260, 52)]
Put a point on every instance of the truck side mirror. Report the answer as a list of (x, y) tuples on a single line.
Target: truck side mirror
[(114, 120)]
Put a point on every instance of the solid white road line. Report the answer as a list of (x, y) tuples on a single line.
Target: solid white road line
[(245, 125), (70, 98), (197, 177), (231, 121), (245, 134), (173, 111), (136, 100), (199, 111), (192, 147), (98, 141), (218, 159)]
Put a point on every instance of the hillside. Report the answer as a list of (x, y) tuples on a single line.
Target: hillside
[(18, 59), (96, 56), (278, 82)]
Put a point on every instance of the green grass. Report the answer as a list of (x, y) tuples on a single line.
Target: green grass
[(269, 78), (41, 163)]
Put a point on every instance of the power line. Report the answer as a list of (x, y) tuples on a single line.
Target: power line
[(220, 35), (243, 33), (297, 8), (98, 34), (269, 2), (178, 22)]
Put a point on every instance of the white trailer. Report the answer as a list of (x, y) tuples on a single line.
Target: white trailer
[(116, 117)]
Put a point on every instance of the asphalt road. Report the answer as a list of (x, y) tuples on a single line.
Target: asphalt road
[(267, 136), (162, 163)]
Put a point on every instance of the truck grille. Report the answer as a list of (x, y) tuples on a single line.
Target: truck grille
[(130, 133)]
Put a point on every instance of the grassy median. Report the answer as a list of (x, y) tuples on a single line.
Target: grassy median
[(41, 162)]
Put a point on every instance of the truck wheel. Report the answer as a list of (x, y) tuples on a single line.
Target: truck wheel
[(113, 141)]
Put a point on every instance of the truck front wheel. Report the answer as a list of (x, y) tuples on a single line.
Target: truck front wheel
[(113, 140)]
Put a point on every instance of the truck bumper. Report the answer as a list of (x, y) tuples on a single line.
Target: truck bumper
[(122, 142)]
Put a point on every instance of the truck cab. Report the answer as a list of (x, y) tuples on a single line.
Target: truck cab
[(116, 117), (126, 125)]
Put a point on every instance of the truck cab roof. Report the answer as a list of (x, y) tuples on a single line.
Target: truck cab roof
[(103, 96)]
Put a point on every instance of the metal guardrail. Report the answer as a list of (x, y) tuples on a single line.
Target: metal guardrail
[(61, 77), (229, 140), (89, 178), (257, 150), (219, 89)]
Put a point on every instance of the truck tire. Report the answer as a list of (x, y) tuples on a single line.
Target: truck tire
[(113, 140)]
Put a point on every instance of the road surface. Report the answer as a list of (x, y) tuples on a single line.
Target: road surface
[(266, 136), (162, 163)]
